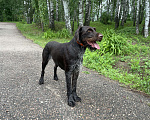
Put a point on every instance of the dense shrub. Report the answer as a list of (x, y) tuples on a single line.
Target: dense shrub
[(114, 43)]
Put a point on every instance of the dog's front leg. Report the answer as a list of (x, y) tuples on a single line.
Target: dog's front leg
[(74, 86), (71, 101)]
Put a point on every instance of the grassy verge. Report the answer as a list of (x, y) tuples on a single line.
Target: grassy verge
[(124, 56)]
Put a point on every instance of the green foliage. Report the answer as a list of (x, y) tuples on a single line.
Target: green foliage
[(86, 72), (11, 10), (128, 30), (64, 33), (105, 17), (135, 64), (114, 43), (112, 46), (94, 60)]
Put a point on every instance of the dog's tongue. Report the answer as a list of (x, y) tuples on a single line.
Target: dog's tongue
[(94, 45)]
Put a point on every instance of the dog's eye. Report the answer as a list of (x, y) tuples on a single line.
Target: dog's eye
[(89, 30)]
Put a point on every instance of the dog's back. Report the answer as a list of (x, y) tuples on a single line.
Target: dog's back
[(56, 51)]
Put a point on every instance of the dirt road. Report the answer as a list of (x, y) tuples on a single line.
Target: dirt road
[(21, 97)]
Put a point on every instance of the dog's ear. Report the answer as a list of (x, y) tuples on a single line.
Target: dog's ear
[(77, 34), (94, 28)]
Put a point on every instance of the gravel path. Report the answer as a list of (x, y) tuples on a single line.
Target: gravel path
[(22, 98)]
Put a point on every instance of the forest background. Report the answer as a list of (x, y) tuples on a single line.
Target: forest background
[(124, 53)]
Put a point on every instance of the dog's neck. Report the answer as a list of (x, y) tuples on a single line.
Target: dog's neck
[(77, 47)]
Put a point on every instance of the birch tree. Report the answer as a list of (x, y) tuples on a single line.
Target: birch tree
[(146, 18), (123, 2), (56, 10), (52, 26), (141, 15), (108, 6), (42, 9), (134, 12), (116, 15), (137, 17), (48, 9), (80, 14), (67, 15), (126, 10), (87, 13)]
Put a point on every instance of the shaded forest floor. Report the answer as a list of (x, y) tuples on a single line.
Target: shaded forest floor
[(124, 56)]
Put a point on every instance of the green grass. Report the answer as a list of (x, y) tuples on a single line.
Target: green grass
[(34, 32), (124, 56)]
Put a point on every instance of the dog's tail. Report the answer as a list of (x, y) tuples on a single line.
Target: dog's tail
[(46, 56)]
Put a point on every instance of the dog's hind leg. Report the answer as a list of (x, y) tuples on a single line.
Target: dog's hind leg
[(45, 59), (55, 73)]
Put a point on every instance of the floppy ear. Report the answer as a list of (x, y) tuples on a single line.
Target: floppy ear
[(77, 34)]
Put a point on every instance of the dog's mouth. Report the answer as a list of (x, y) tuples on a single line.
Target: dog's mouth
[(92, 41), (93, 44)]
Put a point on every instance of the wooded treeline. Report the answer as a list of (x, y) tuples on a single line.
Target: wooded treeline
[(45, 12)]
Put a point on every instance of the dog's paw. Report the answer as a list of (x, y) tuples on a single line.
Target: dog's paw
[(71, 103), (56, 78), (41, 81), (77, 99)]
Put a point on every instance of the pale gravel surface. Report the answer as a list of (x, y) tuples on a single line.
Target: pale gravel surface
[(22, 98)]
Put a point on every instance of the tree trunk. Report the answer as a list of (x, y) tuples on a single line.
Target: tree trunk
[(57, 10), (52, 25), (149, 17), (137, 17), (73, 20), (101, 7), (80, 14), (49, 14), (126, 11), (123, 15), (42, 25), (94, 11), (111, 14), (142, 11), (146, 18), (98, 11), (108, 6), (120, 8), (116, 15), (67, 16), (134, 13), (87, 13)]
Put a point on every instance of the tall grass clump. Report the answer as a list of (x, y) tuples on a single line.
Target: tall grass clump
[(114, 43)]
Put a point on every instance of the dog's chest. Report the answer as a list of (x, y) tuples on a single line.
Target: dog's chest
[(77, 62)]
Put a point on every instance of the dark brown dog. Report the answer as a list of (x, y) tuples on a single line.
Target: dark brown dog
[(69, 57)]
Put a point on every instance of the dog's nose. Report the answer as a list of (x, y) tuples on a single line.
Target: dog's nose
[(100, 36)]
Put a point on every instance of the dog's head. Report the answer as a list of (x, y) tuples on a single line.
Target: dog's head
[(87, 36)]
